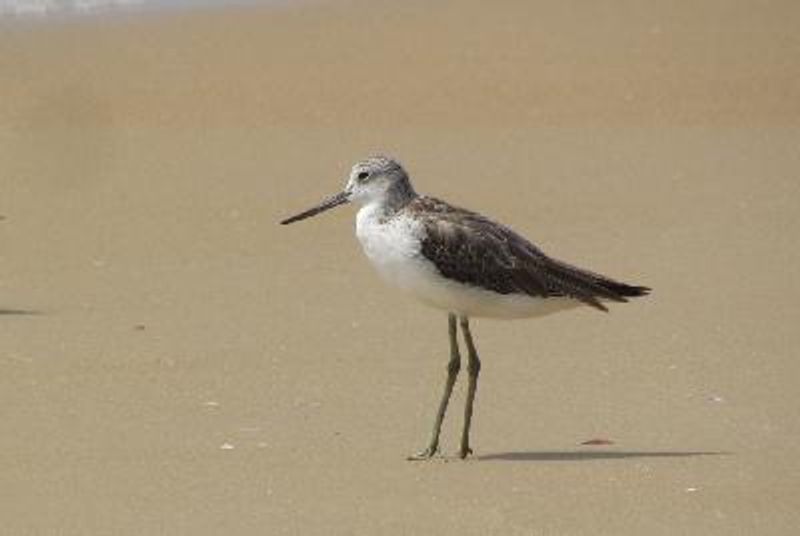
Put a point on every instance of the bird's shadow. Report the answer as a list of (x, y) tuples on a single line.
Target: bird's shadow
[(589, 455), (19, 312)]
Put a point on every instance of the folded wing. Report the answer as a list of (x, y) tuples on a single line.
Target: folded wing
[(469, 248)]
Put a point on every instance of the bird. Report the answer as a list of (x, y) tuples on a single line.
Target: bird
[(463, 263)]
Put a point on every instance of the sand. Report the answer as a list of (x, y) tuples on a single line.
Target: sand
[(174, 362)]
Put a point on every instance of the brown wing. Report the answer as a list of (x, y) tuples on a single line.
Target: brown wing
[(469, 248)]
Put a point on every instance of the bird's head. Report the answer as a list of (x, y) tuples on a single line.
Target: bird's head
[(377, 179), (373, 179)]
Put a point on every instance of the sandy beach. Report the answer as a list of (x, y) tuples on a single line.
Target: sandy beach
[(172, 361)]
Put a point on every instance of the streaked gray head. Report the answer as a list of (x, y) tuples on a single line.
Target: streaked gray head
[(377, 179)]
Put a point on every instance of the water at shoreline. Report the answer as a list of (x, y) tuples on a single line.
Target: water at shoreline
[(49, 9)]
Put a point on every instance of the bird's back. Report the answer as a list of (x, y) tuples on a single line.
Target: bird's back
[(471, 249)]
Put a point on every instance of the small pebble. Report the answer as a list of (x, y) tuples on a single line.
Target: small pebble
[(226, 446), (598, 441)]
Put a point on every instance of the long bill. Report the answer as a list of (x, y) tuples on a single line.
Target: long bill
[(327, 204)]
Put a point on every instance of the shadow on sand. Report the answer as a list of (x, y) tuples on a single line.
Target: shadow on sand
[(569, 456), (18, 312)]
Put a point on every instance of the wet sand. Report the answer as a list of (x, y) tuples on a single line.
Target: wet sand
[(174, 362)]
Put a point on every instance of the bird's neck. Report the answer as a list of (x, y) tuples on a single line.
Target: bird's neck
[(397, 196)]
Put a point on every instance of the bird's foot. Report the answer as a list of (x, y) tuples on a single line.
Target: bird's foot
[(426, 454), (464, 451)]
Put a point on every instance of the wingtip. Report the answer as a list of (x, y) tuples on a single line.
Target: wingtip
[(642, 291), (629, 291)]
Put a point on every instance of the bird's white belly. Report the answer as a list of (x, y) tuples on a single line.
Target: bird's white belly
[(394, 248)]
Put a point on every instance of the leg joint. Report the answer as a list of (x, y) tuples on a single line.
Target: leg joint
[(453, 367), (474, 368)]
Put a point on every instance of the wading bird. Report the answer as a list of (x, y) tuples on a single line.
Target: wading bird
[(461, 262)]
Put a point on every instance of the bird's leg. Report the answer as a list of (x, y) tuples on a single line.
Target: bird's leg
[(473, 369), (453, 366)]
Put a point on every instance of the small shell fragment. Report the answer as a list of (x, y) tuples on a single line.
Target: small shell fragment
[(597, 441)]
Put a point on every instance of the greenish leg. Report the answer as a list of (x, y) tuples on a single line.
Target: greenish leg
[(473, 369), (453, 366)]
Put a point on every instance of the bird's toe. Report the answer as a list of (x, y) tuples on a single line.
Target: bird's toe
[(426, 454), (464, 452)]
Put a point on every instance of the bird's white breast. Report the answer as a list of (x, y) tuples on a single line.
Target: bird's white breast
[(393, 245)]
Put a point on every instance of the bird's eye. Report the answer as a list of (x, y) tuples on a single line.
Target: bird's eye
[(363, 175)]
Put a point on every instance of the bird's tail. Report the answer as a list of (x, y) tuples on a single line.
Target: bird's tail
[(623, 289), (593, 288)]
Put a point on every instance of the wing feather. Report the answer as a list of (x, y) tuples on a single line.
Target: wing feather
[(470, 248)]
